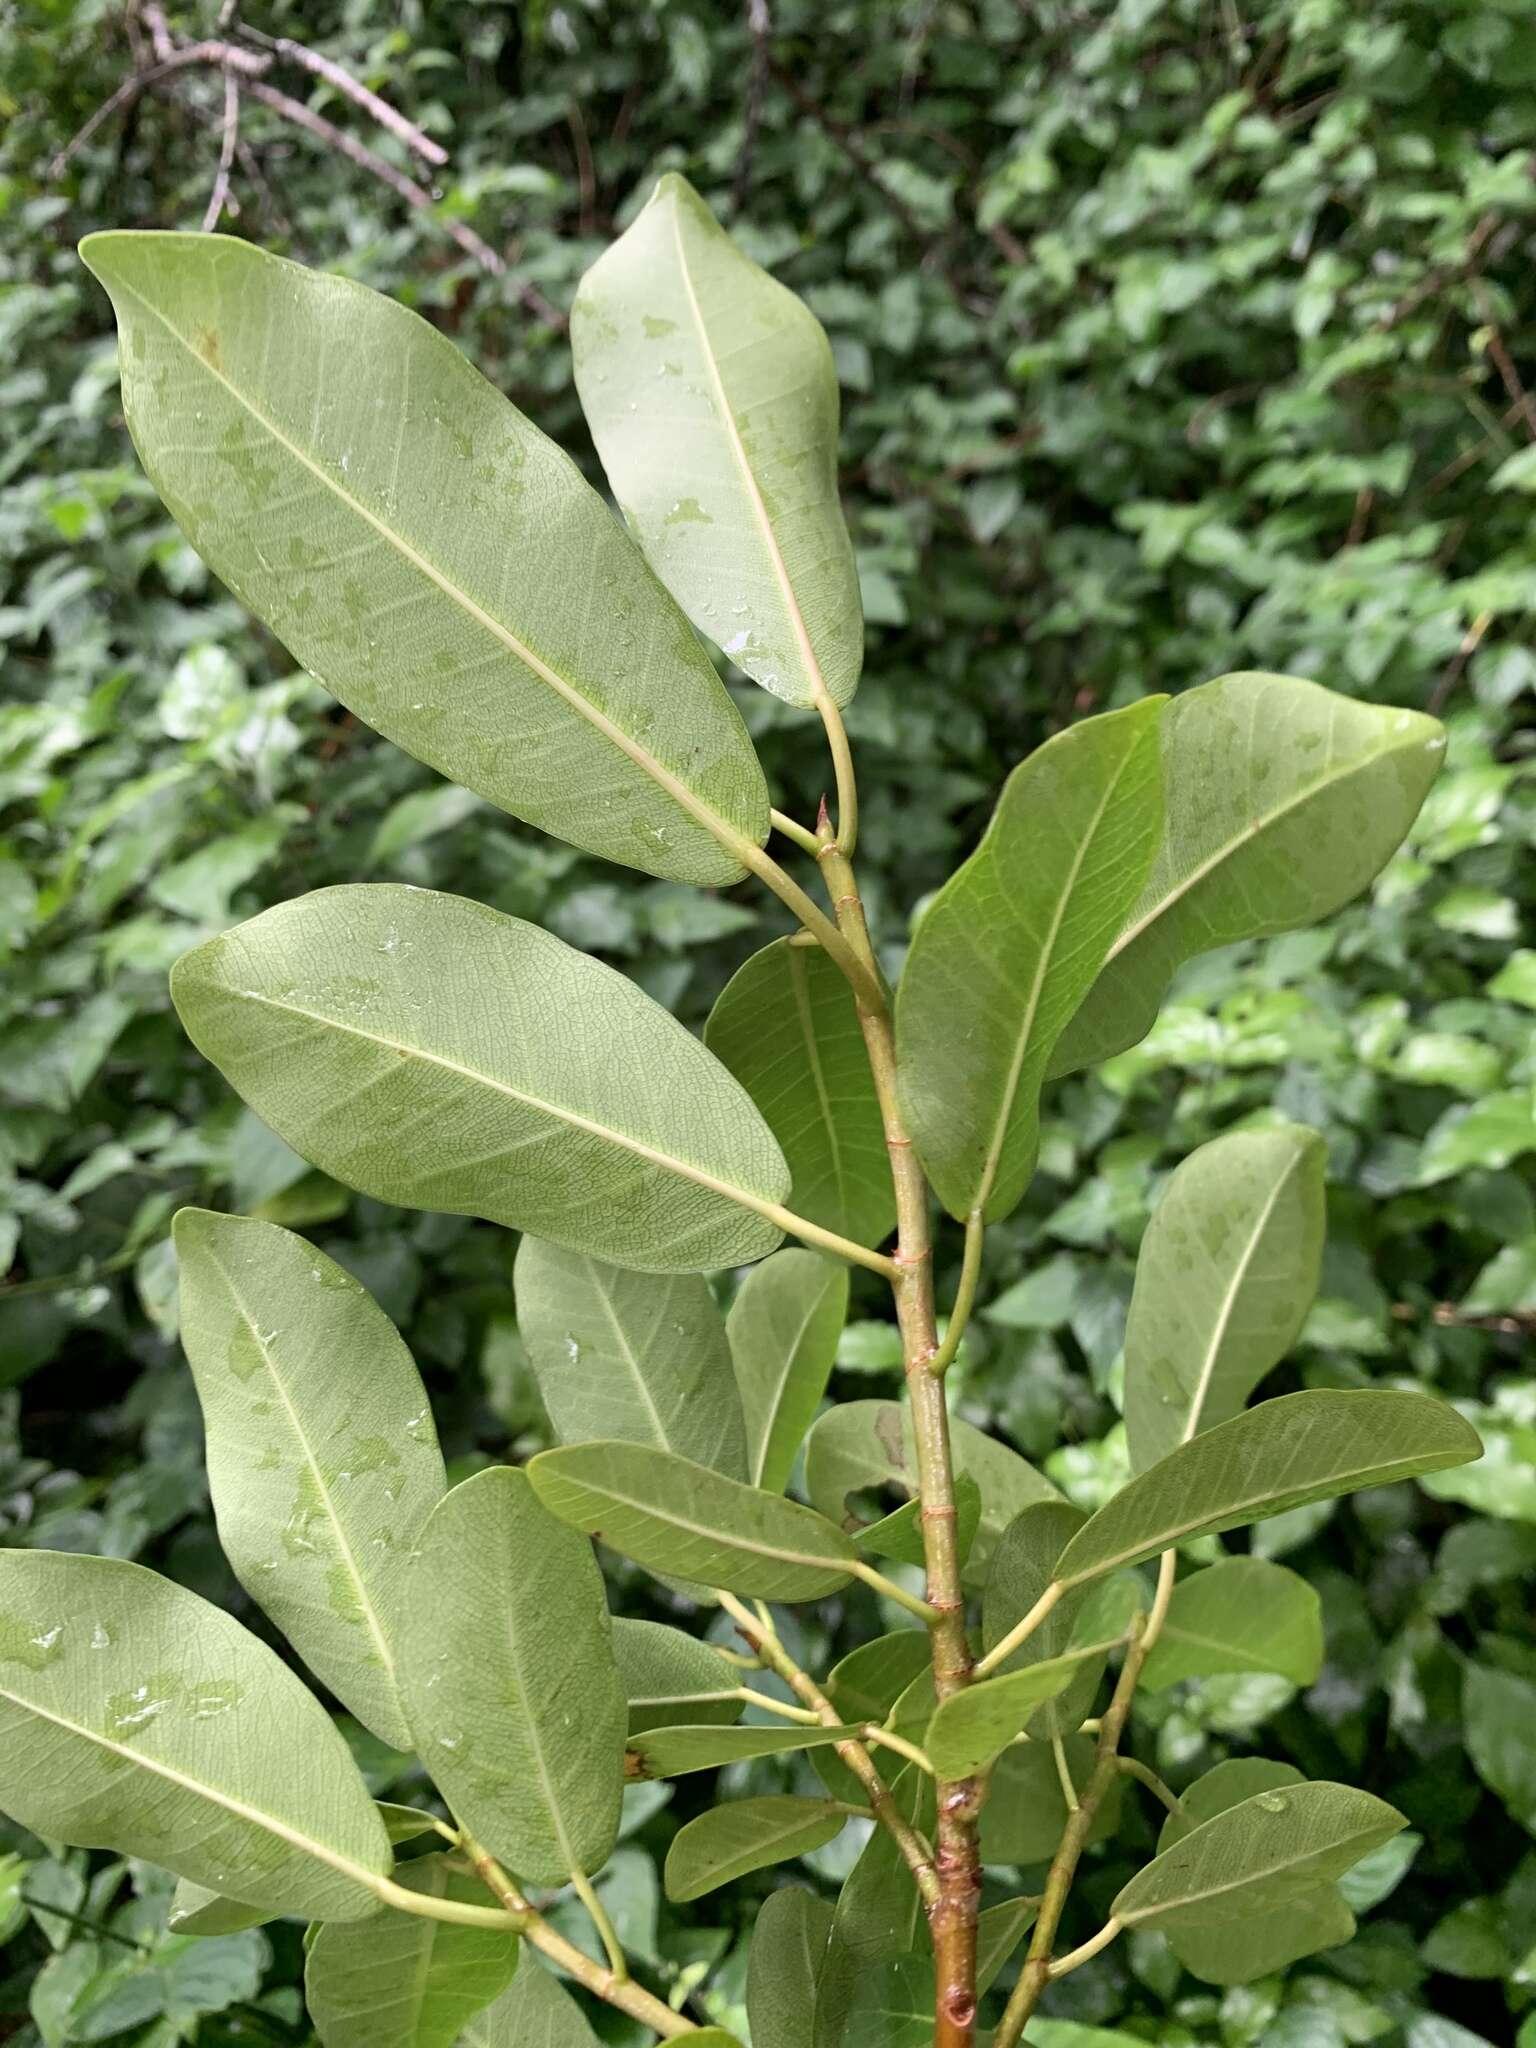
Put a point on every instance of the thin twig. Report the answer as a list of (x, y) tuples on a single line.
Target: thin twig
[(1454, 669), (225, 55), (361, 95), (218, 198), (760, 29)]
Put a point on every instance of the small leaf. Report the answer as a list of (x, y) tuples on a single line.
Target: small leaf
[(712, 398), (197, 1910), (1244, 1614), (673, 1752), (419, 558), (1282, 801), (320, 1443), (1226, 1274), (431, 1052), (789, 1944), (1269, 1938), (888, 1681), (675, 1517), (536, 2012), (1023, 1565), (744, 1835), (1278, 1456), (786, 1027), (783, 1329), (1267, 1851), (900, 1535), (669, 1677), (999, 1930), (136, 1717), (405, 1823), (973, 1726), (640, 1357), (510, 1680), (401, 1981), (1009, 947)]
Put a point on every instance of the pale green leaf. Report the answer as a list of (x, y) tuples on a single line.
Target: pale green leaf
[(638, 1357), (1023, 1565), (1268, 1938), (1226, 1274), (744, 1835), (1278, 1456), (1282, 800), (536, 2012), (672, 1516), (786, 1026), (197, 1910), (136, 1717), (783, 1329), (972, 1727), (1244, 1614), (670, 1677), (510, 1680), (712, 397), (322, 1459), (675, 1751), (414, 542), (1007, 950), (1500, 1711), (403, 1981), (431, 1052), (1267, 1851), (789, 1944), (405, 1823)]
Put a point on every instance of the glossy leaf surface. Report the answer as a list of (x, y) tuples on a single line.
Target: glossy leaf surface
[(434, 1053), (712, 398), (413, 539), (322, 1458)]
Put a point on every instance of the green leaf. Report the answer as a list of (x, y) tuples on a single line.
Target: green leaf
[(510, 1679), (878, 1914), (1267, 1851), (891, 2005), (1244, 1614), (1282, 801), (400, 1981), (1278, 1456), (197, 1910), (1500, 1709), (1026, 1809), (641, 1357), (434, 1053), (1023, 1565), (136, 1717), (413, 541), (783, 1329), (789, 1944), (405, 1823), (712, 398), (1227, 1271), (900, 1535), (322, 1459), (670, 1677), (970, 1728), (786, 1027), (673, 1752), (675, 1517), (999, 1930), (744, 1835), (536, 2012), (864, 1447), (1268, 1938), (1009, 947)]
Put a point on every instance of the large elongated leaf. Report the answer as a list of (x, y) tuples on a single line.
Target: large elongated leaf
[(789, 1944), (1270, 1936), (536, 2012), (670, 1677), (510, 1680), (783, 1330), (1282, 801), (1010, 945), (674, 1752), (712, 398), (136, 1717), (414, 541), (1268, 1851), (400, 1981), (786, 1026), (641, 1357), (675, 1517), (1244, 1614), (1280, 1455), (743, 1835), (432, 1052), (322, 1459), (1225, 1276)]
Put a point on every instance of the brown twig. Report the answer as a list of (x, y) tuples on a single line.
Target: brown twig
[(1503, 361), (1452, 673), (586, 177), (219, 198), (222, 54), (760, 29), (353, 89)]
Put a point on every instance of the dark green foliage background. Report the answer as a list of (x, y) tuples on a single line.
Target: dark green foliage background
[(1176, 337)]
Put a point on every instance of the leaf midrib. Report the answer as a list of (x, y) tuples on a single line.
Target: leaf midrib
[(1216, 1891), (718, 827)]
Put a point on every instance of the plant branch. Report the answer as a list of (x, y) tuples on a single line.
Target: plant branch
[(861, 972), (597, 1912), (965, 1296), (1085, 1950), (806, 1716), (1021, 1631), (900, 1746), (623, 1992), (913, 1602), (793, 829), (1130, 1767), (218, 198), (353, 89), (767, 1645), (842, 767), (826, 1240)]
